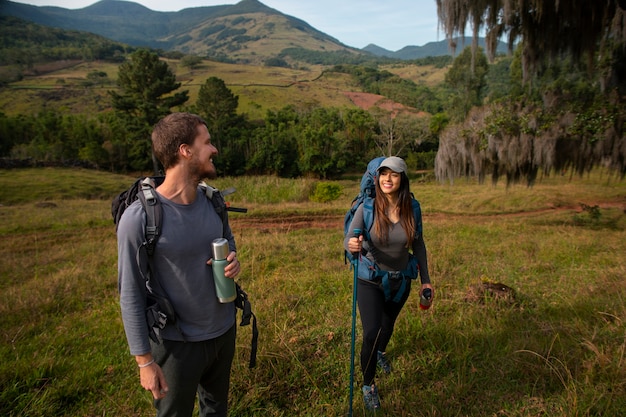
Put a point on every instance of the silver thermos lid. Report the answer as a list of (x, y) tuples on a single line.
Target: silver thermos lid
[(220, 248)]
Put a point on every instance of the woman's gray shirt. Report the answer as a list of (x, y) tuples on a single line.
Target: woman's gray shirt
[(179, 261), (395, 255)]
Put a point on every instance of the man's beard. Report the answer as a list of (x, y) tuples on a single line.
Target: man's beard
[(211, 175), (199, 171)]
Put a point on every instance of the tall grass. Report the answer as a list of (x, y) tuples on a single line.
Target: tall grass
[(554, 349)]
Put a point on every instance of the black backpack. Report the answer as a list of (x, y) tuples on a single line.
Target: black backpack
[(159, 309)]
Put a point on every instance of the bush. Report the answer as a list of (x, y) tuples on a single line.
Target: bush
[(191, 61), (421, 160), (323, 192)]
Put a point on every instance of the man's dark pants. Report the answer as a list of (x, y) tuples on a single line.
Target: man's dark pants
[(191, 368)]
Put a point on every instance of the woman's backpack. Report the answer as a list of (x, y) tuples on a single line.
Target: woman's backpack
[(367, 269)]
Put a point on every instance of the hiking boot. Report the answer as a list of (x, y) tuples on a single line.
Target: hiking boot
[(383, 362), (370, 397)]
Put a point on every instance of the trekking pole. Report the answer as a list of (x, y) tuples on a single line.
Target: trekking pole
[(355, 266)]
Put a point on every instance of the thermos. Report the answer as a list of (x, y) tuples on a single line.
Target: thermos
[(426, 298), (224, 287)]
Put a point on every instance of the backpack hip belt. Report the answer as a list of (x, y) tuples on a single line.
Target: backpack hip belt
[(369, 271)]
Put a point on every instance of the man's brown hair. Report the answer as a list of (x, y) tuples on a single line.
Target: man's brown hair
[(172, 131)]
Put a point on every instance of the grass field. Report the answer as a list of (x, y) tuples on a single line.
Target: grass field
[(259, 88), (554, 345)]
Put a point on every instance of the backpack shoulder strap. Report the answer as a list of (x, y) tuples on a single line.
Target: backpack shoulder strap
[(241, 301), (150, 201), (217, 199), (151, 204), (368, 216)]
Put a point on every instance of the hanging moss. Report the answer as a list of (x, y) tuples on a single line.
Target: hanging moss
[(515, 142), (548, 29)]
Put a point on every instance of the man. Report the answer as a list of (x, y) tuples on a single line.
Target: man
[(196, 349)]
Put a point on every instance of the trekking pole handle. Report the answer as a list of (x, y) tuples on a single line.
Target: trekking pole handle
[(357, 233)]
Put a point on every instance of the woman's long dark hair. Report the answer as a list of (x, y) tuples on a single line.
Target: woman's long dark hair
[(381, 206)]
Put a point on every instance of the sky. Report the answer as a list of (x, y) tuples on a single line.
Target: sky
[(389, 24)]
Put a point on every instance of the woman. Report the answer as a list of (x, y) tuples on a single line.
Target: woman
[(394, 234)]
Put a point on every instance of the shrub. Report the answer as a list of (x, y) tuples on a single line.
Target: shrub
[(323, 192)]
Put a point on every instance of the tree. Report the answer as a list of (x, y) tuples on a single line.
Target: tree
[(320, 151), (498, 82), (547, 28), (218, 106), (466, 78), (274, 148), (518, 141), (147, 84), (563, 111), (191, 61), (398, 131), (359, 128)]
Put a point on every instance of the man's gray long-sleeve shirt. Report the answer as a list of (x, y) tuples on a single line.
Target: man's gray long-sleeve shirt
[(179, 262)]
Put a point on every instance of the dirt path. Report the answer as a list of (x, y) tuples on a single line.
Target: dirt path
[(288, 223), (297, 222)]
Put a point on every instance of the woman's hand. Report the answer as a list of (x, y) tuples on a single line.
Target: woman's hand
[(424, 286), (355, 244)]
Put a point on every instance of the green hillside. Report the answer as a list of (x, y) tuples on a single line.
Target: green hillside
[(247, 32), (82, 86), (59, 107), (25, 44), (48, 68)]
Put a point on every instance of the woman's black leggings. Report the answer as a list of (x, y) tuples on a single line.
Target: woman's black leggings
[(378, 319)]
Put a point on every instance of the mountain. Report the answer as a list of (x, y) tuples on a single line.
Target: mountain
[(247, 32), (24, 44), (440, 48)]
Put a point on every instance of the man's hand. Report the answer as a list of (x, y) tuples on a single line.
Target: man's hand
[(151, 376), (234, 267)]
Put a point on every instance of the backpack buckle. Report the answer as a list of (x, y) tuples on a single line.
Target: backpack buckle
[(395, 275)]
